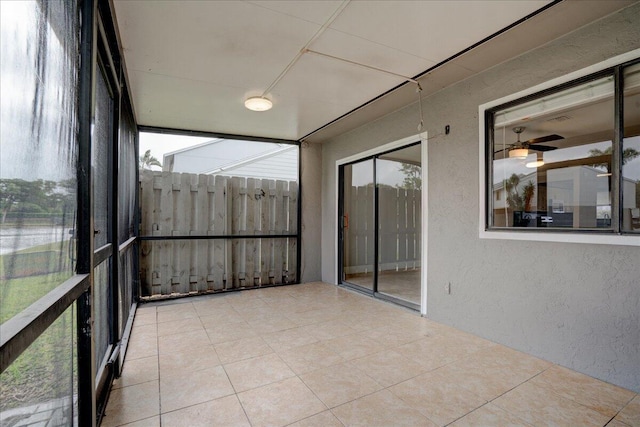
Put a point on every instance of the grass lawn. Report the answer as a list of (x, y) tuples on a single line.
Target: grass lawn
[(46, 369)]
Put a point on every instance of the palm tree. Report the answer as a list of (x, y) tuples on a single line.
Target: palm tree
[(528, 191), (514, 199), (627, 154), (148, 160), (518, 201)]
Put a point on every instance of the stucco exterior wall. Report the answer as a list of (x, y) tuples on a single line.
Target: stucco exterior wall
[(577, 305), (311, 172)]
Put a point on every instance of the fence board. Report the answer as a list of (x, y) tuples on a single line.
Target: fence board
[(210, 278), (266, 258), (364, 231), (220, 227), (192, 259), (402, 229), (388, 223), (147, 203), (286, 197), (350, 218), (292, 228), (258, 230), (280, 221), (249, 230), (181, 225), (414, 236), (355, 218), (235, 230), (164, 221), (199, 227), (271, 213)]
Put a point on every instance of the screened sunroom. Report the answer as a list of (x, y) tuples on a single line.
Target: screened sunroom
[(319, 213)]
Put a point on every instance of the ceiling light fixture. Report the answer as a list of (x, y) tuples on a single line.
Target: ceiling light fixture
[(535, 163), (518, 153), (258, 103), (519, 150)]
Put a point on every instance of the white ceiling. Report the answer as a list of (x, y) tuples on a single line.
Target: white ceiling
[(191, 64)]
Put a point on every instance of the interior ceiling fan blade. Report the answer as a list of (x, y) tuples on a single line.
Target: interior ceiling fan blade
[(542, 148), (545, 138), (529, 144)]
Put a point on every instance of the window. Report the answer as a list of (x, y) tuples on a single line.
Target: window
[(631, 151), (39, 47), (560, 160)]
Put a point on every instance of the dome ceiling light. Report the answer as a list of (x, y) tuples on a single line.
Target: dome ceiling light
[(258, 103)]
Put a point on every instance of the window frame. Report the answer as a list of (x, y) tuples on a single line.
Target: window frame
[(612, 66)]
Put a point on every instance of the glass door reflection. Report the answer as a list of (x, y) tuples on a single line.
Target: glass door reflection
[(398, 177), (358, 224)]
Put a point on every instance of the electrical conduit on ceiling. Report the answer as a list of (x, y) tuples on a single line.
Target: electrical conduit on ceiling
[(321, 30), (306, 46)]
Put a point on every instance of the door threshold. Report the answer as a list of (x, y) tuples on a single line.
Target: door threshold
[(381, 296), (356, 288), (398, 301)]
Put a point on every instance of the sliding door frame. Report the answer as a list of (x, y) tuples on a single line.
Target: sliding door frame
[(339, 235)]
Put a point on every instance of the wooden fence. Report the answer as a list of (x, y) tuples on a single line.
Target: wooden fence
[(399, 232), (227, 210)]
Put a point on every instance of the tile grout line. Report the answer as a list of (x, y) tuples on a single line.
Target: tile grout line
[(235, 392), (513, 388), (507, 391), (620, 410), (571, 399), (551, 391)]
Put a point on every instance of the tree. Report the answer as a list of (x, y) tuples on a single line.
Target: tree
[(628, 154), (16, 191), (148, 160), (528, 191), (37, 196), (515, 200), (412, 176)]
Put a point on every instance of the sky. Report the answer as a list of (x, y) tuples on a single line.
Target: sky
[(160, 144), (388, 173)]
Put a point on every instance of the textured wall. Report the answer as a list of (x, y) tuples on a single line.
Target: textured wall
[(573, 304), (311, 157)]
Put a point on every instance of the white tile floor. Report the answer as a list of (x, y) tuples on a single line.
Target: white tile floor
[(318, 355)]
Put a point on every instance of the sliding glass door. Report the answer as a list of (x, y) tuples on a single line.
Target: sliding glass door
[(380, 233), (358, 224), (399, 210)]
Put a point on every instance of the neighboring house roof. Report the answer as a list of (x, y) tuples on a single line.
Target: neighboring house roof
[(236, 158)]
